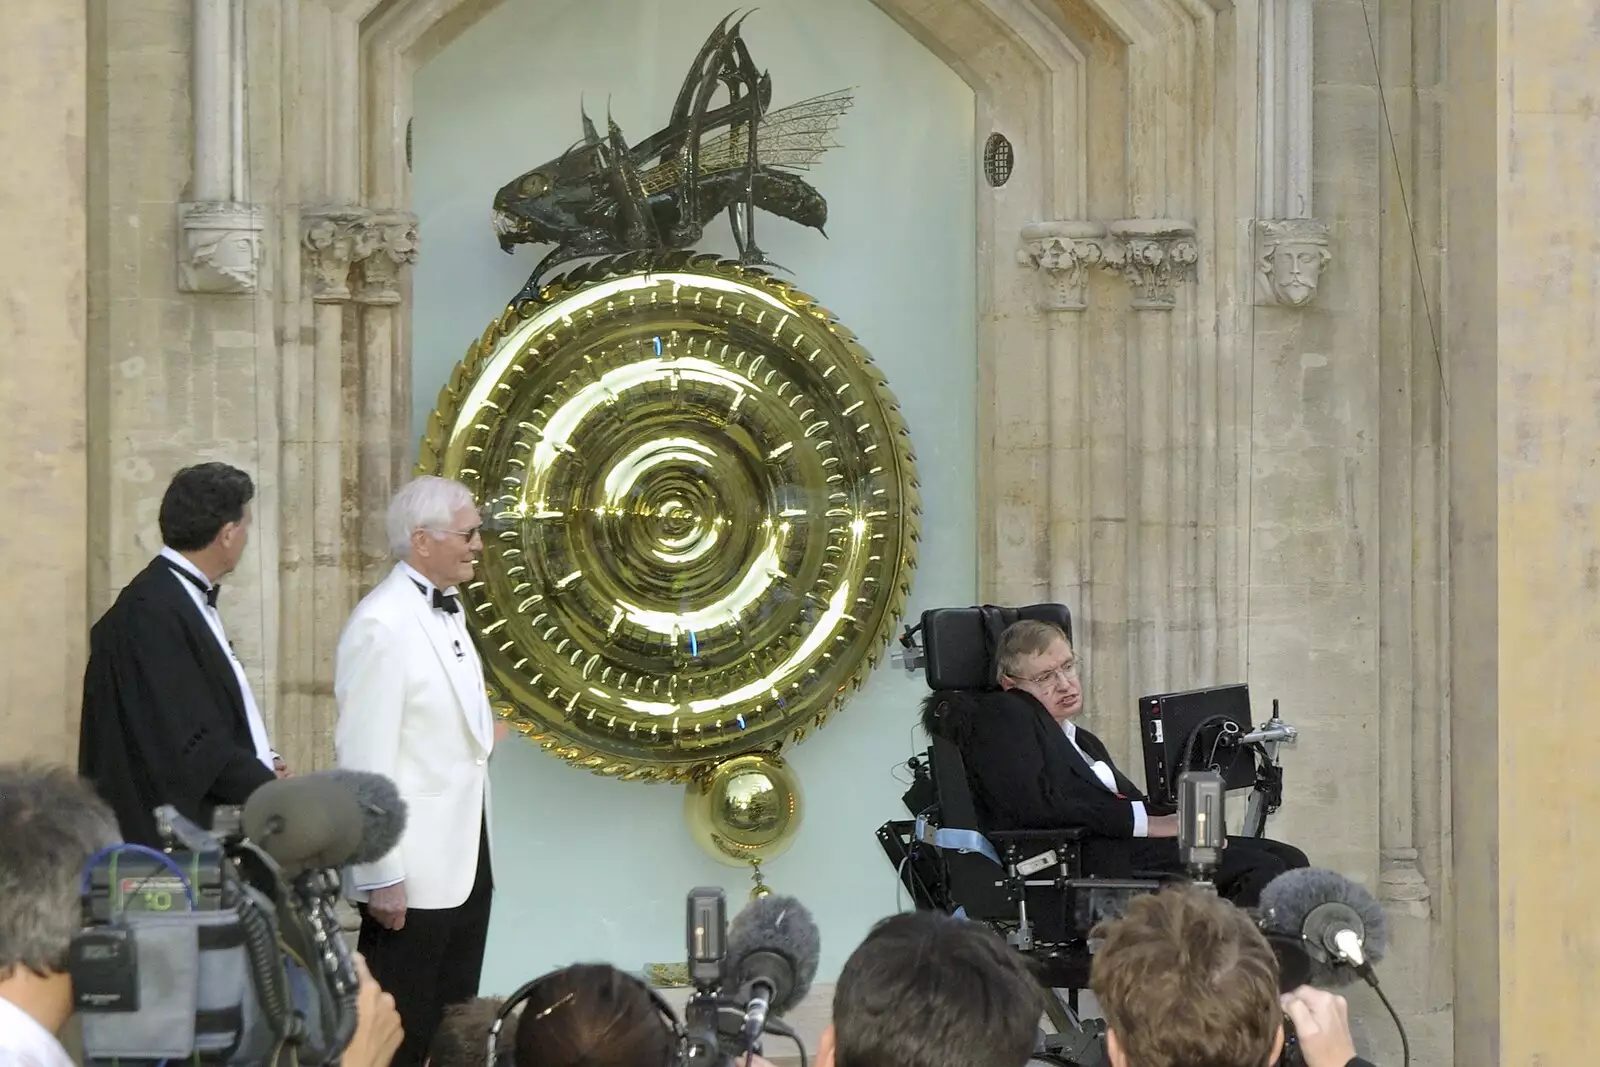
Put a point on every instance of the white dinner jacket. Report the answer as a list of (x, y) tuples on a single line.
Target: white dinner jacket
[(409, 711)]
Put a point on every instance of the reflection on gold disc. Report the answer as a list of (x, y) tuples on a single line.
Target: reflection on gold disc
[(702, 512), (746, 810)]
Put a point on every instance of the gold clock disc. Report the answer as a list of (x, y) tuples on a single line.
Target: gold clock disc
[(701, 512)]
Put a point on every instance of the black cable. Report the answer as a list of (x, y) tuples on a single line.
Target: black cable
[(776, 1026), (1405, 203), (1371, 977)]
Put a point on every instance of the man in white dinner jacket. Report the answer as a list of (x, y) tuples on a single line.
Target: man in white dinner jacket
[(413, 707)]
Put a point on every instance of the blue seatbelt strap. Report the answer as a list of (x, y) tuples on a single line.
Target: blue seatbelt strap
[(957, 840)]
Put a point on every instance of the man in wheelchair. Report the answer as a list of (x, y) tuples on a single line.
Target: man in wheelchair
[(1031, 766)]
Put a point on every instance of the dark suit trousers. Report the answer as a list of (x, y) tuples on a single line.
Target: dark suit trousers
[(1248, 864), (433, 961)]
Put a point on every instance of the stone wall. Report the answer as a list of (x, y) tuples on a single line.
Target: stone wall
[(43, 122), (180, 377), (1522, 175), (1222, 484)]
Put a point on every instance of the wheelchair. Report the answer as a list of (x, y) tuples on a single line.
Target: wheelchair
[(1027, 885)]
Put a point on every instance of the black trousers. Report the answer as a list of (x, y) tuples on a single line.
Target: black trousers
[(433, 961), (1248, 863)]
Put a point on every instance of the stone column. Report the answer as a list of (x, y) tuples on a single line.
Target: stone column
[(220, 250), (1522, 344), (1291, 246), (1156, 256), (394, 249), (43, 385), (316, 593), (1065, 252)]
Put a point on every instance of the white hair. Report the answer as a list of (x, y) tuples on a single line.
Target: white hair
[(51, 823), (425, 503)]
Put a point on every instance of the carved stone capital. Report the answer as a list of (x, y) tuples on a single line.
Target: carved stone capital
[(1156, 256), (219, 250), (394, 246), (334, 239), (1291, 255), (1064, 252)]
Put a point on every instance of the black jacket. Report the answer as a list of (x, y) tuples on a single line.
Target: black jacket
[(163, 717), (1025, 774)]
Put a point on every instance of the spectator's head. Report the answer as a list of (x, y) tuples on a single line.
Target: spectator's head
[(929, 990), (1183, 978), (434, 525), (1036, 658), (51, 823), (462, 1039), (205, 514), (593, 1015)]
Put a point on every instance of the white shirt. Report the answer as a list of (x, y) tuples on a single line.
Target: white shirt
[(24, 1043), (454, 627), (1141, 818), (252, 714)]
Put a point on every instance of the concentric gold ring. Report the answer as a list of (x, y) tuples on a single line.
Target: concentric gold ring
[(702, 506)]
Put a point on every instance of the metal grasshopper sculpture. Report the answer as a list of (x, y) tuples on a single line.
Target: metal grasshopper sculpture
[(604, 197)]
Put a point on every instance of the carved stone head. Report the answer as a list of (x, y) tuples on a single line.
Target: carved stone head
[(222, 248), (1290, 257)]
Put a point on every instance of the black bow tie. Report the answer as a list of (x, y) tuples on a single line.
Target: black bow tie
[(445, 602), (210, 591)]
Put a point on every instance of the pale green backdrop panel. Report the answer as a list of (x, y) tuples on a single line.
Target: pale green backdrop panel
[(590, 868)]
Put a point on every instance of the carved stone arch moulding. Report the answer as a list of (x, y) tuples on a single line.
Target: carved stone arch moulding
[(1027, 63)]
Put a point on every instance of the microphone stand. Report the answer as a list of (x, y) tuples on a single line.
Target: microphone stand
[(1267, 796)]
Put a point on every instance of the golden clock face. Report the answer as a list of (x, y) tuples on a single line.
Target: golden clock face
[(701, 512)]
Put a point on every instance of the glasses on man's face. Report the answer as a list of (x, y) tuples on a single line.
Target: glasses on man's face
[(1059, 677), (468, 536)]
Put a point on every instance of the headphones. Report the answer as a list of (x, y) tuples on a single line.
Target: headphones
[(495, 1058)]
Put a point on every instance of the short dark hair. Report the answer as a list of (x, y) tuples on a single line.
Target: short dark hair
[(593, 1015), (930, 990), (462, 1039), (1185, 977), (51, 822), (200, 501)]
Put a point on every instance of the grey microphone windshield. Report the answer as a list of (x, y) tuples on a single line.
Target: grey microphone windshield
[(383, 813), (774, 942), (303, 823), (326, 819), (1338, 922)]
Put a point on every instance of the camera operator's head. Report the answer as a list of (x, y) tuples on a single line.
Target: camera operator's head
[(929, 990), (1185, 977), (51, 823), (593, 1015), (1036, 658)]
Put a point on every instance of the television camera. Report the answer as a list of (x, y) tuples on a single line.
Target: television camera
[(225, 948)]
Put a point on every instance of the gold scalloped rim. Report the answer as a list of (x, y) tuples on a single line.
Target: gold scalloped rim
[(431, 456)]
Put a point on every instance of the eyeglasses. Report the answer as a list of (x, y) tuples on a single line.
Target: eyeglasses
[(466, 535), (1060, 676)]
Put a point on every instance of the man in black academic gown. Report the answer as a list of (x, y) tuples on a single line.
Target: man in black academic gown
[(168, 716), (1032, 767)]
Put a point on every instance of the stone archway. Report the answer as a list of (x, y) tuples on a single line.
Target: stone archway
[(1110, 311)]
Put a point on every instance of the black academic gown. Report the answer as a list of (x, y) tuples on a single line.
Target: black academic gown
[(163, 718)]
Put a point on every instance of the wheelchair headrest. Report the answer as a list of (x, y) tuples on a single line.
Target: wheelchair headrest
[(958, 644)]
